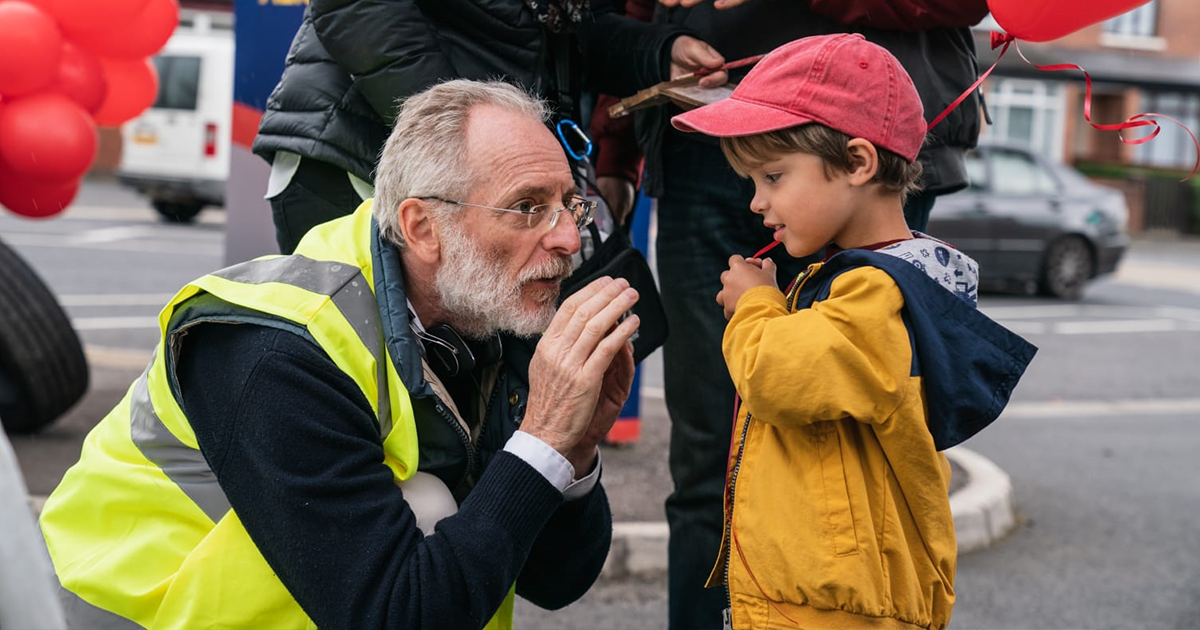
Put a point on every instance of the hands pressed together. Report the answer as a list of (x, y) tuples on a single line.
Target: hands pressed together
[(743, 275), (582, 371)]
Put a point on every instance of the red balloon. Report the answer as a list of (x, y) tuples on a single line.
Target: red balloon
[(36, 200), (132, 88), (80, 77), (1044, 20), (30, 46), (140, 36), (47, 137), (47, 6), (78, 16)]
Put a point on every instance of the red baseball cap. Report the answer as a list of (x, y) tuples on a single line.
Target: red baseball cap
[(841, 81)]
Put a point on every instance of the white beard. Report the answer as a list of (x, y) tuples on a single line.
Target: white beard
[(477, 298)]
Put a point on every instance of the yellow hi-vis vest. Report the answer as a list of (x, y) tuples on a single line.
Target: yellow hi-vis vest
[(139, 531)]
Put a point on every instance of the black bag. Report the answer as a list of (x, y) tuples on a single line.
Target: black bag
[(617, 257)]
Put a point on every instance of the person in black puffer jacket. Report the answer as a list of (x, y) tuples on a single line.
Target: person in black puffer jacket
[(702, 220), (353, 61)]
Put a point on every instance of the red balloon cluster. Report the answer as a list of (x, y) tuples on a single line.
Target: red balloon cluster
[(67, 66)]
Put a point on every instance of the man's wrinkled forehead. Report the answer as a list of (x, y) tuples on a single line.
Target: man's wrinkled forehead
[(512, 151)]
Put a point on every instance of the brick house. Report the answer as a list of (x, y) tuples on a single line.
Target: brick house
[(1146, 60)]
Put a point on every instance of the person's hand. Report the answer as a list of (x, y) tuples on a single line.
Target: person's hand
[(619, 194), (743, 275), (571, 365), (618, 381), (689, 54), (720, 4)]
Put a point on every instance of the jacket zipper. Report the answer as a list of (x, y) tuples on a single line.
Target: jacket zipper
[(462, 436), (486, 417), (737, 466)]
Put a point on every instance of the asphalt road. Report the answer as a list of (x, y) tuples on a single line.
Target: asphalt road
[(1100, 440)]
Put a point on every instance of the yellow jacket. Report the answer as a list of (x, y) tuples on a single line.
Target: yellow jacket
[(837, 511)]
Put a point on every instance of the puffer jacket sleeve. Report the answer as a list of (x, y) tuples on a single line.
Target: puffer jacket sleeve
[(847, 356), (623, 55), (387, 45)]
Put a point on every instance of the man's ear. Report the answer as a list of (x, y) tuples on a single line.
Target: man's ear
[(416, 225), (864, 161)]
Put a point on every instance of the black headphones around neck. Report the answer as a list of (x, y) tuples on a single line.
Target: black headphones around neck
[(451, 356)]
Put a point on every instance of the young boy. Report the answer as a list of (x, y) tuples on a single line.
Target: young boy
[(837, 514)]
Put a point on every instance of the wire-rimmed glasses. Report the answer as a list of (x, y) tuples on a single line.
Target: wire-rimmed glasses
[(581, 210)]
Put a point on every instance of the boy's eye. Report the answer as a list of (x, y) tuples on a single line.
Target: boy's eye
[(771, 178)]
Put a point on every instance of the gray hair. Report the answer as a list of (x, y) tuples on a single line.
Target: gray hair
[(424, 156)]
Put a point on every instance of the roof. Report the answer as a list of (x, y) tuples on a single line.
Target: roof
[(1104, 65)]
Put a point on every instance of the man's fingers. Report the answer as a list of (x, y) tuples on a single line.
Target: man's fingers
[(601, 357), (588, 310), (566, 312), (716, 79), (599, 326)]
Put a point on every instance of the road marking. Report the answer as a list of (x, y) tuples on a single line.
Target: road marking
[(113, 323), (211, 245), (102, 213), (1117, 326), (120, 299), (1136, 319), (1133, 407), (1051, 409), (1159, 276), (109, 235), (110, 357)]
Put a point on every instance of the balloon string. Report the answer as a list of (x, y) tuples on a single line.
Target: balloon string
[(974, 86), (1137, 120)]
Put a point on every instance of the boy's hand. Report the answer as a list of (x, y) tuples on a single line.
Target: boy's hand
[(744, 274)]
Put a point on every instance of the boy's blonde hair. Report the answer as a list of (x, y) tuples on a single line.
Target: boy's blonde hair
[(895, 174)]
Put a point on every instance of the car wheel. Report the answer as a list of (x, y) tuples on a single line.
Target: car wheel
[(1066, 268), (178, 211), (43, 371)]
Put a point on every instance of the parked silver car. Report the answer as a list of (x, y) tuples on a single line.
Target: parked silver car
[(1032, 224)]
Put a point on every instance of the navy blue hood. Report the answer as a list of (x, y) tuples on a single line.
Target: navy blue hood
[(968, 363)]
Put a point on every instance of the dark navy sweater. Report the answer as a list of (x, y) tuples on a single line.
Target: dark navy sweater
[(296, 449)]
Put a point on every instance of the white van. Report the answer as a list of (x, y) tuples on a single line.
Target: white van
[(177, 152)]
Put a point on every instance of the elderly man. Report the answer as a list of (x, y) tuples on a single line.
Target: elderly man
[(357, 436)]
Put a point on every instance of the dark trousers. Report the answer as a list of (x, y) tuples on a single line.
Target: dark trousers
[(318, 192), (703, 218)]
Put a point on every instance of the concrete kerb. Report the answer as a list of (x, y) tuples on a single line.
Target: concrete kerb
[(983, 513)]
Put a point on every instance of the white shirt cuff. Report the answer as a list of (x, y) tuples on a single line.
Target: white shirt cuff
[(552, 465)]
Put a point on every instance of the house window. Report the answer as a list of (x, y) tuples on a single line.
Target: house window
[(1171, 148), (1140, 22), (1028, 114)]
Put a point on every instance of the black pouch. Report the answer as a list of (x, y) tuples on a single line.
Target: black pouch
[(616, 256)]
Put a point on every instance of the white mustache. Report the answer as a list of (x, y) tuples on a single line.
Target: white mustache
[(557, 268)]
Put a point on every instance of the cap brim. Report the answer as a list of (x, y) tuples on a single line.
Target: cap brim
[(731, 117)]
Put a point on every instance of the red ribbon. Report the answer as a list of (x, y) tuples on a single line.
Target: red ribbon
[(1137, 120)]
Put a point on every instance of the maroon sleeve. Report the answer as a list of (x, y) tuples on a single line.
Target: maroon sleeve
[(903, 15), (617, 152)]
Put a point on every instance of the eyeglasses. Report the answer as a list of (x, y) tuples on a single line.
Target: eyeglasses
[(582, 210)]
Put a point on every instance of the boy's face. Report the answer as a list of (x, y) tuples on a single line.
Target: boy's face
[(804, 207)]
